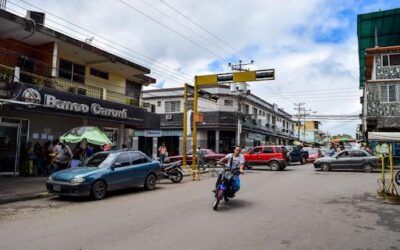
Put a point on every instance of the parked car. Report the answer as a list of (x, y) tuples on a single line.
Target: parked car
[(106, 171), (296, 154), (273, 156), (313, 154), (348, 159), (210, 157)]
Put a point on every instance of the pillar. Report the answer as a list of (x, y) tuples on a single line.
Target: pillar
[(217, 141), (121, 135), (155, 147)]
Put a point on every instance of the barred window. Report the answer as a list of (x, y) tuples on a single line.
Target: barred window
[(388, 93), (172, 106), (228, 102), (391, 59)]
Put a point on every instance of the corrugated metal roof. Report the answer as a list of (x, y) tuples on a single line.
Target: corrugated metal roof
[(386, 26)]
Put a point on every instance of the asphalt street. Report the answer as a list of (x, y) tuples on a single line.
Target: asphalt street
[(294, 209)]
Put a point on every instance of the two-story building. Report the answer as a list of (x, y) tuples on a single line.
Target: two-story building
[(379, 58), (261, 122), (51, 82)]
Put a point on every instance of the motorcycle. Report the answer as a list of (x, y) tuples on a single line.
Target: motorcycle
[(225, 188), (397, 177), (172, 171)]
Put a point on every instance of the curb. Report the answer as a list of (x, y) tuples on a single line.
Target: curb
[(25, 197)]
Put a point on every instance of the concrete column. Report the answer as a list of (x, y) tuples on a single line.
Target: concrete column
[(181, 145), (155, 148), (135, 143), (121, 135), (217, 141)]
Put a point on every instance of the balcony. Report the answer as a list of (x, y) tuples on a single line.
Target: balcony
[(61, 84)]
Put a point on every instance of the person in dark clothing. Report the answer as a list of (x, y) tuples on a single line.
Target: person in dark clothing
[(89, 151), (38, 151), (77, 155)]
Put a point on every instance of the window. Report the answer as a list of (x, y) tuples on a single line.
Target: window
[(159, 104), (228, 103), (138, 158), (71, 71), (256, 151), (98, 73), (123, 159), (172, 106), (278, 150), (268, 150), (344, 154), (255, 111), (246, 109), (358, 154), (388, 93), (153, 108), (391, 60), (133, 89)]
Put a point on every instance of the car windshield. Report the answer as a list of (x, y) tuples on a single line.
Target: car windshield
[(100, 160)]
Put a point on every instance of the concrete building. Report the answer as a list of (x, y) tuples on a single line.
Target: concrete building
[(262, 122), (379, 57), (69, 83), (309, 132)]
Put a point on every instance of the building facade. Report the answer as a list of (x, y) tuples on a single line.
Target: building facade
[(51, 83), (379, 58), (310, 132), (261, 122)]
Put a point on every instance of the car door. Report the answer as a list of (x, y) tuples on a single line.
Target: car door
[(267, 154), (119, 176), (139, 168), (359, 158), (254, 156), (342, 160)]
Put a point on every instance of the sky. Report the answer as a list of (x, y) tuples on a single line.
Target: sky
[(311, 44)]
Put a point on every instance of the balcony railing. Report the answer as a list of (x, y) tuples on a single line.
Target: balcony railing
[(65, 85)]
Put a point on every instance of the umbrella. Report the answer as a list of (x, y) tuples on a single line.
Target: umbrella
[(91, 134), (296, 143)]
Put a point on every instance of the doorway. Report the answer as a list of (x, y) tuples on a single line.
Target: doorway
[(9, 148)]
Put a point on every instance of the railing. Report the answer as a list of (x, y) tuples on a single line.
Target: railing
[(65, 85)]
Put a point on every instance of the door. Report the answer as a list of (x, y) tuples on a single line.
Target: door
[(139, 168), (254, 156), (267, 154), (342, 160), (121, 177), (358, 159), (9, 145)]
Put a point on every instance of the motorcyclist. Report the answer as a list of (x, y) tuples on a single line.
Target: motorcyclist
[(234, 161)]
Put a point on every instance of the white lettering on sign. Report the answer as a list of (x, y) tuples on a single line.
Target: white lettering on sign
[(96, 109)]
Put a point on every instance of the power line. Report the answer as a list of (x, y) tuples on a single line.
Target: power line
[(170, 29), (204, 29)]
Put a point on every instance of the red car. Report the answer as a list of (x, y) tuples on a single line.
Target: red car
[(313, 154), (273, 156), (209, 157)]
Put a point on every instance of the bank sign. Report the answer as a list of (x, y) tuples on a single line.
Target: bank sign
[(50, 100)]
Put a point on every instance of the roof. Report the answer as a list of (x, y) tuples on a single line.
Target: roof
[(11, 24), (382, 26)]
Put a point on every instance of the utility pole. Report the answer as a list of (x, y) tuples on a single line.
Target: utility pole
[(185, 125), (299, 108), (241, 95)]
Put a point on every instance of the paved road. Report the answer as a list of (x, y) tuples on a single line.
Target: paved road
[(295, 209)]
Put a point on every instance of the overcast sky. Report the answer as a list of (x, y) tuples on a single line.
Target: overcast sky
[(312, 44)]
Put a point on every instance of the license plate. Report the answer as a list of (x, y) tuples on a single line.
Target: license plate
[(56, 187)]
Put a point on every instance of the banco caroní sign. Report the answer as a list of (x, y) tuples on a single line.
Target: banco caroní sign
[(48, 100), (94, 108)]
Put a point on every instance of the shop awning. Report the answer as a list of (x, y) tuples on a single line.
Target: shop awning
[(384, 136)]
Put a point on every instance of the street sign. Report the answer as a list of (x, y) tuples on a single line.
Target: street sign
[(245, 76)]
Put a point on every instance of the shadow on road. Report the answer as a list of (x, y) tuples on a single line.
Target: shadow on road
[(234, 204)]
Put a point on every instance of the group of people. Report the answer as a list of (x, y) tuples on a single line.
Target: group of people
[(52, 156)]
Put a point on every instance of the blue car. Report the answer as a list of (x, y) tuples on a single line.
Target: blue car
[(106, 171)]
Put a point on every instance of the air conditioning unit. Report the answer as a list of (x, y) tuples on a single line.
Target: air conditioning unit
[(38, 17), (168, 117)]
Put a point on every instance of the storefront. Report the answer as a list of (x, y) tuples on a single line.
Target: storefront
[(43, 114)]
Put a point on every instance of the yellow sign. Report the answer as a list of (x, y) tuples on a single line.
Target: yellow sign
[(245, 76)]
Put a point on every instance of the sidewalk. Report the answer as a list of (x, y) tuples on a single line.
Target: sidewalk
[(14, 189)]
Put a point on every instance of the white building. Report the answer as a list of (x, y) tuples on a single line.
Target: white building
[(261, 122)]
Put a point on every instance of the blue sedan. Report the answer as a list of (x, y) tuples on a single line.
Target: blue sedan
[(106, 171)]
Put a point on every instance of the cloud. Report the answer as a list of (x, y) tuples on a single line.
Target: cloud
[(312, 45)]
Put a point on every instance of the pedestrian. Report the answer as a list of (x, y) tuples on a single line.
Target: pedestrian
[(200, 159), (29, 159), (39, 153), (63, 156), (89, 151), (52, 156), (77, 156), (163, 152)]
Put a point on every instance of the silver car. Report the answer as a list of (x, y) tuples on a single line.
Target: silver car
[(349, 159)]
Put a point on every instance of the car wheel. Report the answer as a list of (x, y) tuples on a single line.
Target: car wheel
[(303, 160), (274, 165), (325, 167), (150, 182), (368, 168), (99, 190)]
